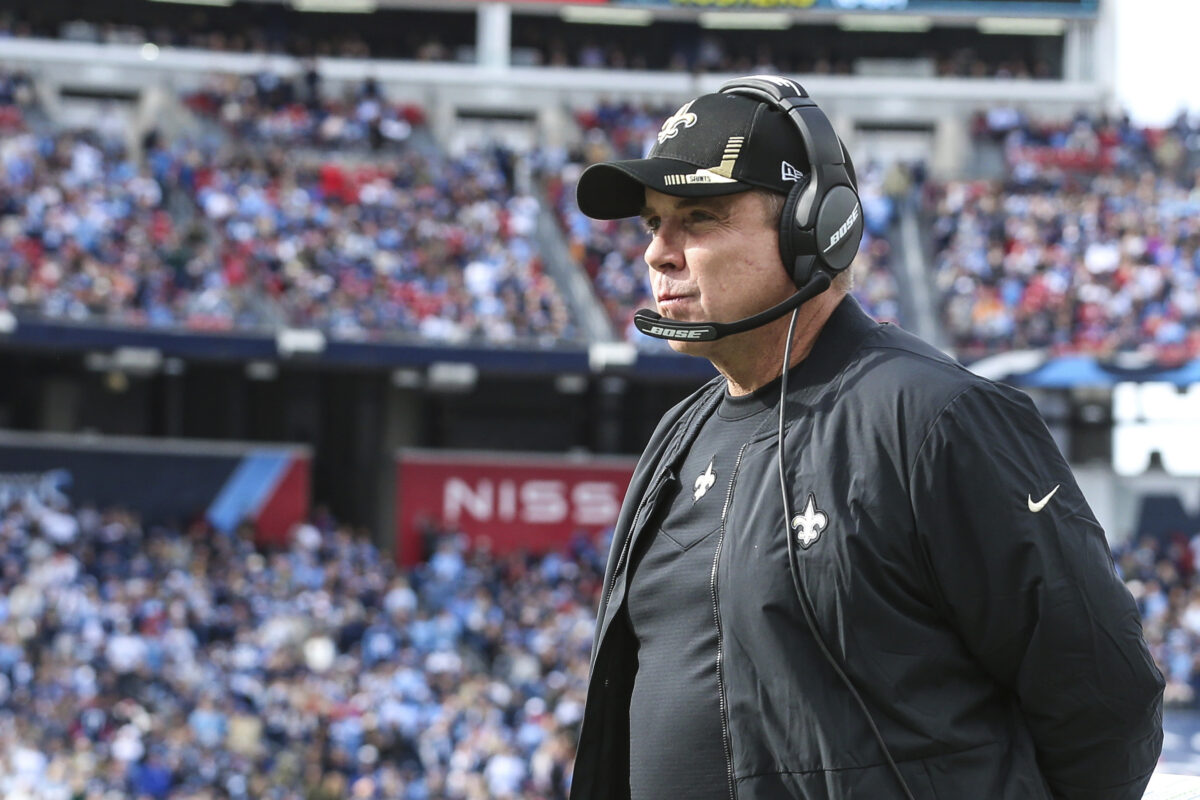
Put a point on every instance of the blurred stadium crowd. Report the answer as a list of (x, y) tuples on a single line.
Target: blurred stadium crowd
[(181, 663), (240, 230), (1088, 243), (154, 663), (1162, 575)]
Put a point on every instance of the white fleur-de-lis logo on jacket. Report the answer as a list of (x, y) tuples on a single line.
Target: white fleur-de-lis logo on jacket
[(680, 119), (809, 523), (704, 482)]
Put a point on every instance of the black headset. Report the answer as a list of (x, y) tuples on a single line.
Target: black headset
[(821, 224)]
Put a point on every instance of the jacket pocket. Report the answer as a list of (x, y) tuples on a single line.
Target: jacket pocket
[(685, 538)]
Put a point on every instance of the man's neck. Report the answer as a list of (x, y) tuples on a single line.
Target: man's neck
[(757, 357)]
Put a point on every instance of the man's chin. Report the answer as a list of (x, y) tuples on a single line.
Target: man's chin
[(690, 348)]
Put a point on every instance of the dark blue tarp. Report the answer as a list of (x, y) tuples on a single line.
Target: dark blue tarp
[(1067, 372)]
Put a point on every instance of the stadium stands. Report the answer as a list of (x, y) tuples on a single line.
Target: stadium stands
[(367, 236), (267, 109), (181, 663), (1087, 244), (217, 235)]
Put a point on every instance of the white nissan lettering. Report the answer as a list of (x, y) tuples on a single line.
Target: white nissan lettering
[(842, 231), (544, 502), (595, 503), (537, 501)]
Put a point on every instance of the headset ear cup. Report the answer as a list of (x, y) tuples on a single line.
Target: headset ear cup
[(839, 228)]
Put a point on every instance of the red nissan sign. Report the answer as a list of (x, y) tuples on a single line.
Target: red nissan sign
[(517, 501)]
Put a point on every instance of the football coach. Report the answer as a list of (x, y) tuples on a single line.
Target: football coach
[(847, 568)]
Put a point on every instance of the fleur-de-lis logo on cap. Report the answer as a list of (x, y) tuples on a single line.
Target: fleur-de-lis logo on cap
[(680, 119), (809, 524)]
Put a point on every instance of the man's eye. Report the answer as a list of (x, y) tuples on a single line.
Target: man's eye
[(650, 225)]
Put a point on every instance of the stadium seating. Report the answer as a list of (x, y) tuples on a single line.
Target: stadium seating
[(1161, 574), (1087, 243), (369, 236), (227, 234), (181, 663)]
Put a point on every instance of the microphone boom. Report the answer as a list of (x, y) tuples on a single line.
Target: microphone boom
[(653, 324)]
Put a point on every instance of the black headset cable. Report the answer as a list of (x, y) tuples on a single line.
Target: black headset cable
[(810, 615)]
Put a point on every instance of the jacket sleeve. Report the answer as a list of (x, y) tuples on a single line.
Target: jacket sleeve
[(1022, 569)]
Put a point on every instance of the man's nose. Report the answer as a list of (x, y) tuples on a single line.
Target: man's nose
[(665, 251)]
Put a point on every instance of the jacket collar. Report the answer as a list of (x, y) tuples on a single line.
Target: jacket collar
[(837, 344)]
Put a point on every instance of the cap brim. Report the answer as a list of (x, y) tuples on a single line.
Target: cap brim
[(617, 189)]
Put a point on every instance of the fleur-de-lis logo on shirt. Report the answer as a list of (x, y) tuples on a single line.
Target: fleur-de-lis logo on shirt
[(704, 482), (810, 523), (680, 119)]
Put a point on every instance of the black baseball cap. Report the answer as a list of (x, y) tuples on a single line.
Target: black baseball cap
[(716, 144)]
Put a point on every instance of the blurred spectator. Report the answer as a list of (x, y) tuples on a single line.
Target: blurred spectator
[(18, 96)]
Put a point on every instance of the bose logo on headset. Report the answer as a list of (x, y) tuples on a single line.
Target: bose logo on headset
[(842, 231), (675, 333)]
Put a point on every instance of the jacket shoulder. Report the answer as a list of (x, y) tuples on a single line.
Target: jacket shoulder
[(900, 387), (895, 363)]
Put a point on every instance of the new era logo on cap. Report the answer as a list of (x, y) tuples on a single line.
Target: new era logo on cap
[(716, 144), (789, 173)]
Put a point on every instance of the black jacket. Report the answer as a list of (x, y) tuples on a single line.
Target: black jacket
[(983, 624)]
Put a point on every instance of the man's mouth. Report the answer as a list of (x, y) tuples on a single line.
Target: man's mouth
[(669, 300)]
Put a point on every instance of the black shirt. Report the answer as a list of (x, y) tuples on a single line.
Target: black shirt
[(677, 738)]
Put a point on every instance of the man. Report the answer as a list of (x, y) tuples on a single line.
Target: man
[(888, 585)]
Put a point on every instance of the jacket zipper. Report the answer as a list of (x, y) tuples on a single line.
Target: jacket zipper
[(725, 737)]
